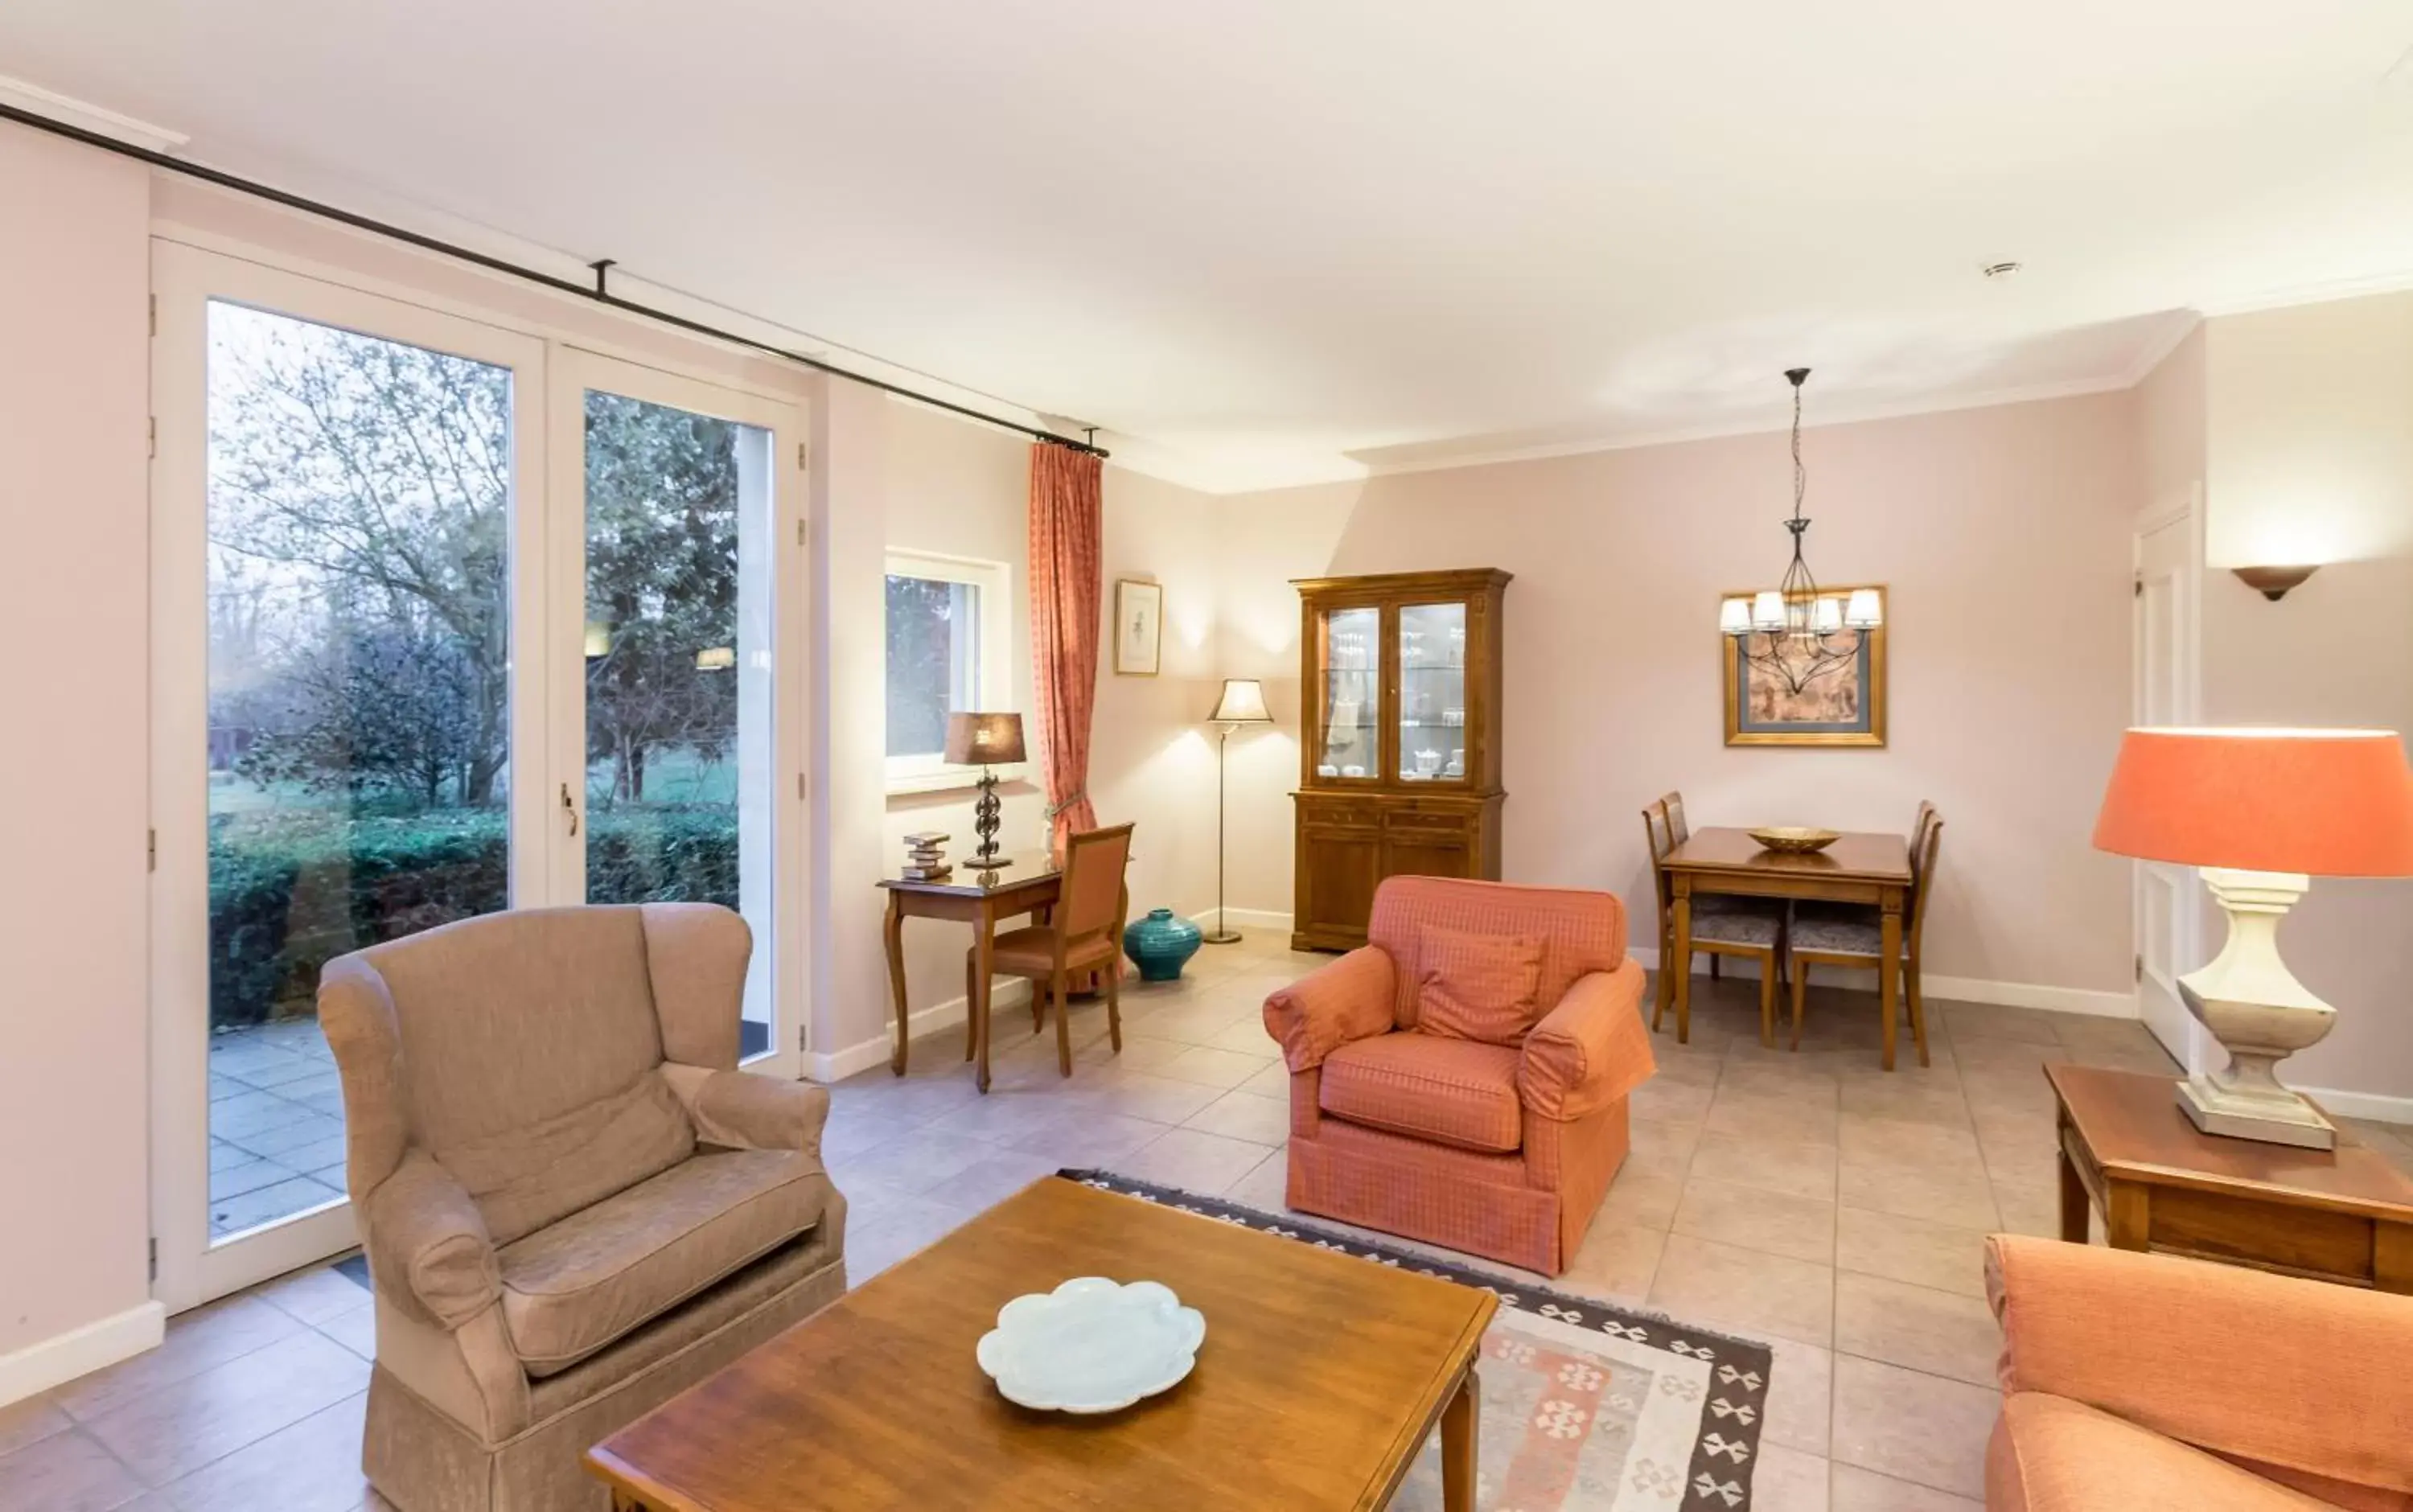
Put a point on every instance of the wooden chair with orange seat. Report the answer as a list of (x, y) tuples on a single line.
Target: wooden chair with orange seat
[(1083, 934)]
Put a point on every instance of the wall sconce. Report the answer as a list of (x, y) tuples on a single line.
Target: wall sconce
[(2273, 583)]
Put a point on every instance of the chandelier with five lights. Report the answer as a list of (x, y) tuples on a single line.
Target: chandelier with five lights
[(1792, 631)]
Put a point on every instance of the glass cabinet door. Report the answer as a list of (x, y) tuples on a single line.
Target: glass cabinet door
[(1433, 692), (1352, 695)]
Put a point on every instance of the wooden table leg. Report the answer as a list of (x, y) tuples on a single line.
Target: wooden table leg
[(1459, 1423), (2127, 1214), (2392, 1257), (2075, 1206), (895, 936), (1889, 973), (984, 941), (1682, 965)]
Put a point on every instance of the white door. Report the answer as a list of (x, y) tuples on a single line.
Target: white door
[(347, 687), (677, 578), (448, 619), (2164, 690)]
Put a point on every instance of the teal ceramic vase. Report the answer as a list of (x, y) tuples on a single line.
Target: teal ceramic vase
[(1159, 944)]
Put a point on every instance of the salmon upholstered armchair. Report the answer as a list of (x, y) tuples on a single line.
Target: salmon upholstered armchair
[(2134, 1381), (1462, 1078), (574, 1205)]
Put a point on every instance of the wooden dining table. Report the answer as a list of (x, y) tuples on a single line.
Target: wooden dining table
[(1859, 867)]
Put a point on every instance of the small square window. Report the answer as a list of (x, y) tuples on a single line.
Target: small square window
[(946, 654)]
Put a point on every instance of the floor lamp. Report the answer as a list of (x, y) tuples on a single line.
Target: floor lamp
[(1243, 702)]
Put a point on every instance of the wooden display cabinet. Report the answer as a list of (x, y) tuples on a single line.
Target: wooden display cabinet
[(1399, 756)]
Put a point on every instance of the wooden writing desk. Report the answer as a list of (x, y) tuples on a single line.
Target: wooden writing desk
[(1028, 885), (1857, 868), (2339, 1215)]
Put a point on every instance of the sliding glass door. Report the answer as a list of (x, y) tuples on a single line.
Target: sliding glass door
[(447, 620), (680, 726)]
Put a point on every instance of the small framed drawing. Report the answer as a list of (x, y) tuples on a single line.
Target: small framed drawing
[(1780, 694), (1139, 626)]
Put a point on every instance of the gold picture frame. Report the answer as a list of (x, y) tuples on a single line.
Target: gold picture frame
[(1757, 713), (1139, 626)]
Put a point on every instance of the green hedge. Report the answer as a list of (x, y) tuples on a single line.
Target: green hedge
[(290, 892)]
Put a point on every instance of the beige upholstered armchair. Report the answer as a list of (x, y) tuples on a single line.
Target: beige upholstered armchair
[(574, 1205)]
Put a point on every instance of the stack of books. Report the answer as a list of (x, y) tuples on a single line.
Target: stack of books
[(924, 860)]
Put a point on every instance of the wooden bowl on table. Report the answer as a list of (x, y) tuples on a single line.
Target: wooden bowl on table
[(1791, 840)]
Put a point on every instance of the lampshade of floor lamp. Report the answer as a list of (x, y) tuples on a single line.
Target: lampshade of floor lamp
[(1243, 702)]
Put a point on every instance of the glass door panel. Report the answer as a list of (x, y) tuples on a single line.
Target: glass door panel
[(1433, 692), (359, 701), (1352, 694), (682, 700)]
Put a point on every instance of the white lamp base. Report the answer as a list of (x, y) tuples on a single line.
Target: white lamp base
[(2260, 1014)]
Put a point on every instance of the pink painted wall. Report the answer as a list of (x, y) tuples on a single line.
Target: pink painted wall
[(74, 394), (2309, 457), (2003, 535)]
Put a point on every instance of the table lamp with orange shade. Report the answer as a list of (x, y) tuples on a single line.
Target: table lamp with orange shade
[(2261, 812)]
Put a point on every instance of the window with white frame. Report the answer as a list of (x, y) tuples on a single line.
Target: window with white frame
[(947, 640)]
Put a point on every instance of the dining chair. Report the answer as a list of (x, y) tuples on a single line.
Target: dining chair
[(1722, 924), (1869, 912), (1083, 933), (1857, 942), (1679, 831)]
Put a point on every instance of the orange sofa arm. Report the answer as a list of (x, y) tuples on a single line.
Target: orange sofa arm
[(2302, 1374), (1589, 1050), (1347, 1000)]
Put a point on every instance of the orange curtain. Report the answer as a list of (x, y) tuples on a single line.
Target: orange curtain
[(1066, 531)]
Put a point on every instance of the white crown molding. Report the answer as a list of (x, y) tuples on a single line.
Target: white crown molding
[(2157, 351), (2318, 293), (1844, 414), (94, 118)]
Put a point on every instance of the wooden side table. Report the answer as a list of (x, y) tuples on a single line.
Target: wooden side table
[(1028, 884), (2344, 1215)]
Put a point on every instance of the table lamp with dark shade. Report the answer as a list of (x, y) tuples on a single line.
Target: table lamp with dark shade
[(985, 740), (2261, 812), (1243, 702)]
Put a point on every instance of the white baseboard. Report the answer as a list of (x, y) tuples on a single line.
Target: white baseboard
[(1959, 989), (55, 1361), (2379, 1108), (838, 1065), (1211, 920)]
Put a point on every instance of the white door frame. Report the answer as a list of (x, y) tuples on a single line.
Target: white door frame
[(2159, 962), (190, 1269), (574, 370)]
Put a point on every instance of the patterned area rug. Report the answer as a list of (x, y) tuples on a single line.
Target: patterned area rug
[(1586, 1407)]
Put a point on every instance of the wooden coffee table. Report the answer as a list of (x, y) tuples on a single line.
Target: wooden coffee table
[(1321, 1378), (2338, 1215)]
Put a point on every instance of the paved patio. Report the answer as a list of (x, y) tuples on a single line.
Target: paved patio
[(277, 1125)]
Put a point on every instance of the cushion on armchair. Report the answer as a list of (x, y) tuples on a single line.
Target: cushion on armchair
[(1477, 987), (1452, 1091), (574, 1287)]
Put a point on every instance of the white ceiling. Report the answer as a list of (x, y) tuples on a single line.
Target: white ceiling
[(1269, 241)]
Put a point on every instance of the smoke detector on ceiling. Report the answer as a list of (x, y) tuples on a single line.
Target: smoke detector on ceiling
[(1999, 271)]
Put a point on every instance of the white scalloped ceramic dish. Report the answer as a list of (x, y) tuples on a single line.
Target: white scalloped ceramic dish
[(1091, 1345)]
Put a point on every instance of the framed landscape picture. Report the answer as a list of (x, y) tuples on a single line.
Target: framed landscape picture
[(1139, 626), (1842, 705)]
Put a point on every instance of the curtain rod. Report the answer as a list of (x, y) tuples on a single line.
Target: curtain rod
[(598, 293)]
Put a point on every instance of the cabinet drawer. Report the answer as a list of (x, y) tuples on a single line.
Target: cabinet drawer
[(1359, 812), (1455, 825)]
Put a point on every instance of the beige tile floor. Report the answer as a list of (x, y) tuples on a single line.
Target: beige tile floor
[(1807, 1199)]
